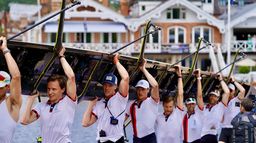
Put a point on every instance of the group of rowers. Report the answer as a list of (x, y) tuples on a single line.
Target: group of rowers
[(196, 122)]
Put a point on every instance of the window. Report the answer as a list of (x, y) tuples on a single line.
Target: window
[(110, 37), (114, 38), (152, 38), (177, 35), (143, 8), (79, 37), (204, 32), (222, 2), (88, 37), (52, 37), (207, 1), (105, 38), (176, 13)]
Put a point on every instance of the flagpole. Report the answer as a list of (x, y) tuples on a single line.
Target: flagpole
[(228, 35)]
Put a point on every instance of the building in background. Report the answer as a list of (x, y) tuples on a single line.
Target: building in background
[(106, 25)]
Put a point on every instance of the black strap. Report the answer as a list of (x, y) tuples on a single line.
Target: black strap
[(106, 106)]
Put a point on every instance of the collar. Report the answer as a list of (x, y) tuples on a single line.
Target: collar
[(209, 106), (52, 105), (190, 114), (138, 103), (166, 117)]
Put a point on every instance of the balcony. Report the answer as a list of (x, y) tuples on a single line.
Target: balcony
[(157, 48), (246, 46)]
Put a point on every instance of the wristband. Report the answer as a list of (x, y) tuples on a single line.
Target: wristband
[(199, 78), (6, 51), (61, 56)]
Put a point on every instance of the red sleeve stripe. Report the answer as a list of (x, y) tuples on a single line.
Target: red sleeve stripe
[(180, 108), (95, 115), (37, 115), (72, 98), (202, 109), (223, 104)]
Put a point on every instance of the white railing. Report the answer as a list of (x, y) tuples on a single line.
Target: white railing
[(157, 48), (193, 47), (246, 46)]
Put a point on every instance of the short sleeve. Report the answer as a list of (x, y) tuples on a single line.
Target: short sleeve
[(97, 111), (37, 109), (127, 109), (70, 102)]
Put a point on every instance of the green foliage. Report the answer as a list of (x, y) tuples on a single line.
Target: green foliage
[(254, 68), (4, 4), (244, 69)]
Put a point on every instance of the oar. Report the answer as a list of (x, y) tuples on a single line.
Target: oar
[(141, 55), (42, 21), (57, 47), (214, 75), (85, 89)]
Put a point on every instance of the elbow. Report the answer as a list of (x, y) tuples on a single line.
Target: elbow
[(16, 76), (85, 124), (126, 78), (155, 85), (23, 122)]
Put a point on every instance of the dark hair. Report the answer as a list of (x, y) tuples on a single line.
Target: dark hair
[(247, 104), (167, 99), (60, 78)]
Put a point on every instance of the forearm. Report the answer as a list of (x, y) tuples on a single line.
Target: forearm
[(87, 117), (241, 90), (12, 66), (27, 115), (67, 68), (180, 93), (122, 71), (199, 93), (226, 93), (150, 78)]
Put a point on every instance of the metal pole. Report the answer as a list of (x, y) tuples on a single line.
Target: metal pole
[(228, 35)]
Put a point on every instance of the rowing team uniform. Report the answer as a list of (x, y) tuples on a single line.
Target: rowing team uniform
[(8, 125), (188, 129), (143, 116), (56, 120)]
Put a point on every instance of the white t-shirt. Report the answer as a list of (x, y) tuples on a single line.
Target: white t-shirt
[(56, 122), (230, 112), (192, 125), (169, 129), (116, 105), (143, 116), (212, 119), (7, 124)]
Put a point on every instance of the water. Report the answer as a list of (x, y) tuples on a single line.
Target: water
[(28, 133)]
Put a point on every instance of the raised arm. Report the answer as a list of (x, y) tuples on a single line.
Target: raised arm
[(29, 115), (180, 88), (241, 89), (89, 118), (152, 82), (124, 83), (15, 85), (200, 100), (71, 82), (226, 93)]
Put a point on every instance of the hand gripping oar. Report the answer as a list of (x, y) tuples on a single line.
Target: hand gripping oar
[(242, 56), (233, 65), (141, 55), (42, 21), (57, 47), (85, 89), (195, 59)]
